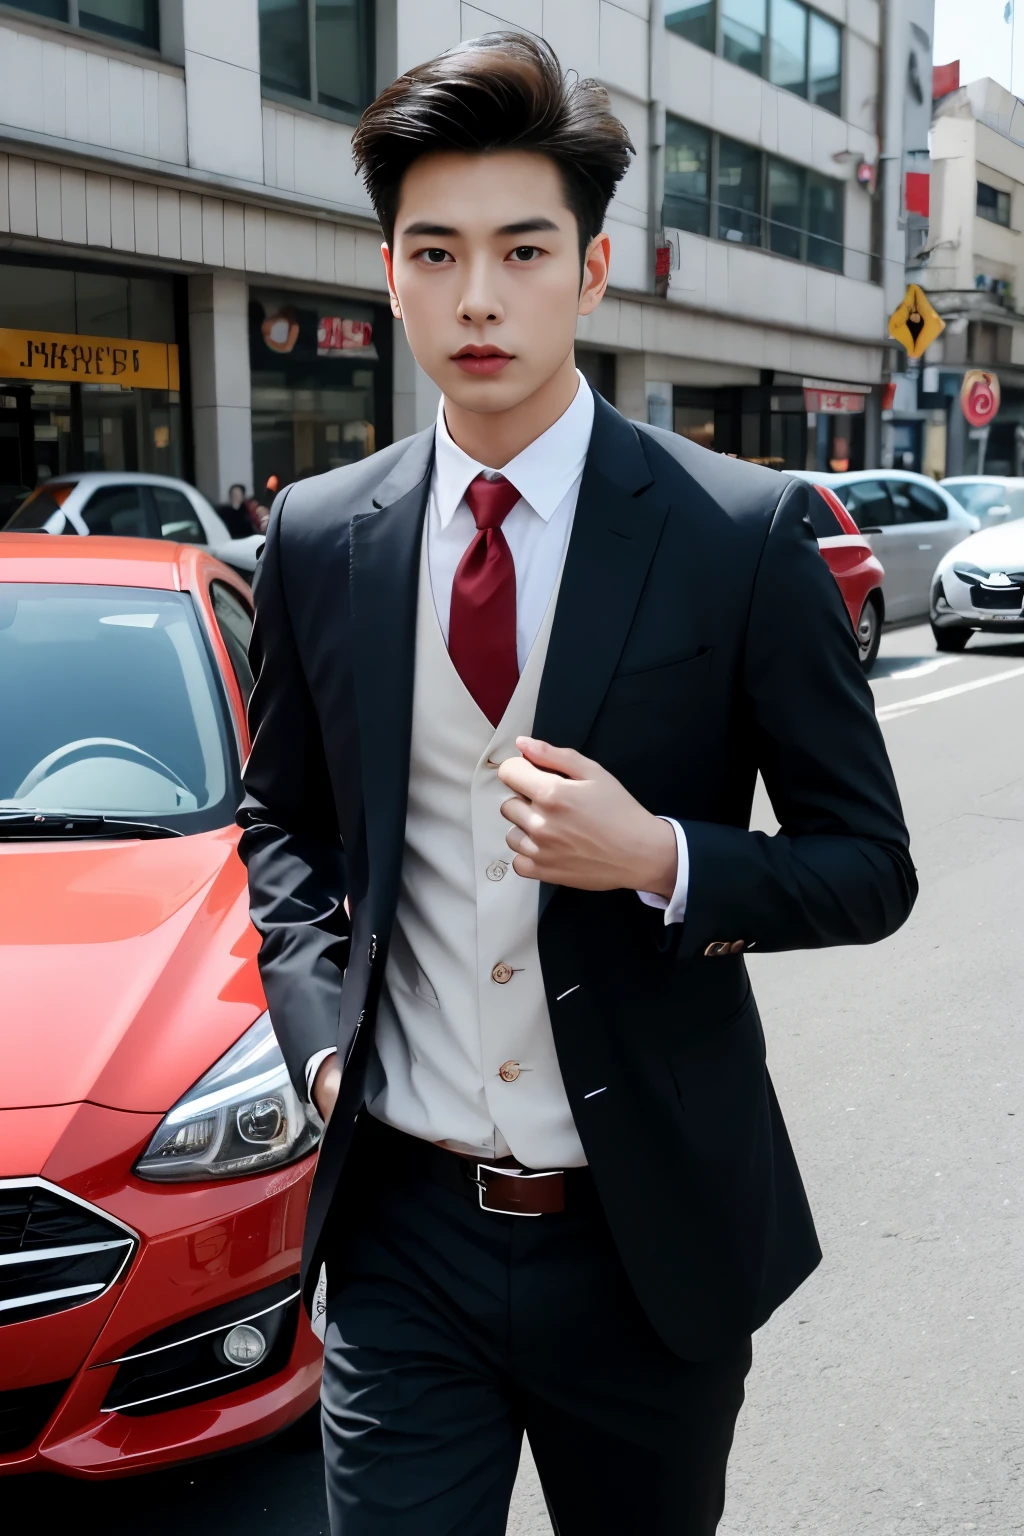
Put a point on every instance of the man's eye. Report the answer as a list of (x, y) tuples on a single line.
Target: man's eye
[(434, 258), (526, 253)]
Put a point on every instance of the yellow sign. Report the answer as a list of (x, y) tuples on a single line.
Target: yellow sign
[(915, 324), (69, 359)]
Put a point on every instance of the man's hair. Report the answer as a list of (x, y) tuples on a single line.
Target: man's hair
[(502, 91), (238, 486)]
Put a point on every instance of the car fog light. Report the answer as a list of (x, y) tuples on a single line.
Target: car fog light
[(244, 1345)]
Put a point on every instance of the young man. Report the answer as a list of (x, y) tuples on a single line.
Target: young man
[(515, 679)]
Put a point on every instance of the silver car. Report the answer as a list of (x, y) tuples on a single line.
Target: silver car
[(910, 521), (992, 499), (129, 504)]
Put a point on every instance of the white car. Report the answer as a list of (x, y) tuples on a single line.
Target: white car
[(979, 585), (990, 498), (910, 523), (134, 505)]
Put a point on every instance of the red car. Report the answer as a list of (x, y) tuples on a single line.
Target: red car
[(859, 573), (155, 1161)]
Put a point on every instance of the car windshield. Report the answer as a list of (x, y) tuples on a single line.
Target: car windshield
[(984, 500), (110, 705), (38, 508)]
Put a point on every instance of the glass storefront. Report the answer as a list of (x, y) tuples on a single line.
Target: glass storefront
[(769, 424), (321, 384), (66, 338)]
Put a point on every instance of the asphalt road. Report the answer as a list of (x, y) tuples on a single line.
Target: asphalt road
[(885, 1398)]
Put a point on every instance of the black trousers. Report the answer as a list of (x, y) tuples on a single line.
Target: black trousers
[(452, 1330)]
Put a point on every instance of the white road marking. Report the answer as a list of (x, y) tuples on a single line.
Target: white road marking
[(919, 669), (903, 706)]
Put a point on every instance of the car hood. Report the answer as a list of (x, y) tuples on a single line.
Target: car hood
[(126, 969), (1000, 548)]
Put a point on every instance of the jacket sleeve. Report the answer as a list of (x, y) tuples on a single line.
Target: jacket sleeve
[(290, 840), (838, 871)]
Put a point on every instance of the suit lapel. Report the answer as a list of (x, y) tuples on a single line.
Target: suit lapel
[(615, 532), (385, 545)]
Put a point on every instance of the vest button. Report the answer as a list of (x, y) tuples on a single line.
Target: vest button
[(501, 973), (509, 1071), (496, 871)]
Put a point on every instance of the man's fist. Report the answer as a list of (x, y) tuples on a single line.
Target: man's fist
[(574, 824)]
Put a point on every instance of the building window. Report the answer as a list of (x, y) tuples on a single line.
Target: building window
[(738, 201), (993, 204), (687, 161), (133, 21), (320, 51), (322, 382), (694, 20), (715, 185), (785, 41)]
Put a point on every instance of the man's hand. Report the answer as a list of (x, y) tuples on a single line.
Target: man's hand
[(574, 824), (325, 1087)]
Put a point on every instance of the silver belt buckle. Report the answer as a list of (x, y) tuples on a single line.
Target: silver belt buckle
[(509, 1173)]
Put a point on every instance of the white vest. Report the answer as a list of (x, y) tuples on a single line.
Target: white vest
[(448, 1020)]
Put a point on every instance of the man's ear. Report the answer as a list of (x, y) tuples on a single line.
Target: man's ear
[(596, 269), (396, 308)]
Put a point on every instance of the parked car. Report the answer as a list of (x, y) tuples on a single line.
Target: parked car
[(989, 498), (127, 504), (979, 585), (909, 521), (155, 1161), (857, 571)]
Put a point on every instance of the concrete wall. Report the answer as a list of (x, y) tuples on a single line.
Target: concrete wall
[(76, 92)]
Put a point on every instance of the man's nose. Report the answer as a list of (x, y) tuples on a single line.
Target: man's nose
[(480, 300)]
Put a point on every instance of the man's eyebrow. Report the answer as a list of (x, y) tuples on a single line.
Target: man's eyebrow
[(445, 231), (528, 227)]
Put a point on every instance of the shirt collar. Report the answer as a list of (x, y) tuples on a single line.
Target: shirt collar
[(542, 474)]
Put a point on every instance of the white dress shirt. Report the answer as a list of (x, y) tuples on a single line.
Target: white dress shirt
[(547, 475)]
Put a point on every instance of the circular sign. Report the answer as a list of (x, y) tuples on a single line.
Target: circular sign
[(979, 396)]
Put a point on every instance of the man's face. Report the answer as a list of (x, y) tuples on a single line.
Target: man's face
[(485, 274), (237, 495)]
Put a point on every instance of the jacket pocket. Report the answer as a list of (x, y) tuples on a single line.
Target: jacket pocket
[(663, 683)]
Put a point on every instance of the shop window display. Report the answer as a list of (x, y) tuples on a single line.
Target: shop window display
[(321, 384), (93, 329)]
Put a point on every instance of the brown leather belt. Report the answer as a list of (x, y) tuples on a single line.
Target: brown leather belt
[(519, 1191), (501, 1185)]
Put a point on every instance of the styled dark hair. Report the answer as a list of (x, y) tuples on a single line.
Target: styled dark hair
[(504, 90)]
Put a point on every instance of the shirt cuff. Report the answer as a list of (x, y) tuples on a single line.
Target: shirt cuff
[(313, 1067), (675, 907)]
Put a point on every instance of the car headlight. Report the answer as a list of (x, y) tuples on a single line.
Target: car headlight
[(243, 1116)]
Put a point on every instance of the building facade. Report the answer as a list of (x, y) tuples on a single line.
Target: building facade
[(190, 276), (972, 267)]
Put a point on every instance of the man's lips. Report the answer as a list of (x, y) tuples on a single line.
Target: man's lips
[(481, 361)]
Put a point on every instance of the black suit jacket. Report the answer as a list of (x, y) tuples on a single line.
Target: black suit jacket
[(698, 638)]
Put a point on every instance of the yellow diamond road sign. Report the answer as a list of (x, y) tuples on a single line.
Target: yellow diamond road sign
[(915, 324)]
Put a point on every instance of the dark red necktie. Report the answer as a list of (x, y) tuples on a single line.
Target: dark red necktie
[(482, 622)]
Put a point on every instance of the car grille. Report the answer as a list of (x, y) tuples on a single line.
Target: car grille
[(56, 1251), (1006, 598), (25, 1413)]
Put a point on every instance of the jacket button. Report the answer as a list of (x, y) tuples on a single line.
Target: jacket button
[(509, 1071), (501, 973), (496, 871)]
